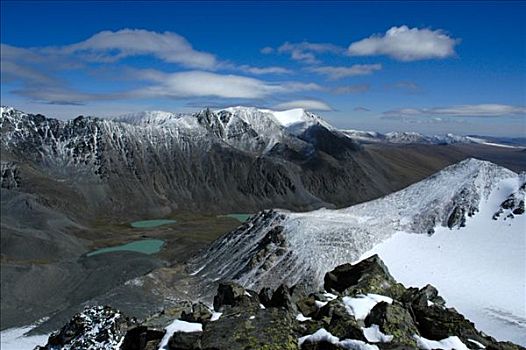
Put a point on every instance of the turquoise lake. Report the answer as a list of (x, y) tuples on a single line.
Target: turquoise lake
[(152, 223), (145, 246)]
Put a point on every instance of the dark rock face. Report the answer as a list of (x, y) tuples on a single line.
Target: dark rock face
[(9, 175), (434, 322), (141, 338), (287, 316), (368, 276), (513, 205)]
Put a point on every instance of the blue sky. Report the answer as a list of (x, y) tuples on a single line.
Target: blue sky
[(433, 67)]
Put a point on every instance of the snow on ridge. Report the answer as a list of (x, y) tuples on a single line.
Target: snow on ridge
[(146, 118)]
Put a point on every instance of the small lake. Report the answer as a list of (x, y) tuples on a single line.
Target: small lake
[(152, 223), (145, 246), (238, 217)]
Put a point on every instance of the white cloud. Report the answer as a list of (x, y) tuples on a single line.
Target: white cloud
[(406, 44), (264, 70), (206, 84), (305, 51), (267, 50), (313, 105), (108, 46), (361, 109), (351, 89), (335, 73), (480, 110)]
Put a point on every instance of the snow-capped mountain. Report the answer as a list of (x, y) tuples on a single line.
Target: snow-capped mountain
[(234, 158), (408, 137), (278, 247)]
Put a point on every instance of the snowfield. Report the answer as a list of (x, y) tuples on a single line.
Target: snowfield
[(479, 269)]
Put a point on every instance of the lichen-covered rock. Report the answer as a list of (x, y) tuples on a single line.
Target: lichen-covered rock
[(393, 319), (232, 294), (307, 306), (185, 341), (265, 329), (367, 276), (200, 313), (438, 323)]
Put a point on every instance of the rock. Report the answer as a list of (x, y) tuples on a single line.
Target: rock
[(141, 338), (321, 345), (438, 323), (265, 295), (503, 346), (282, 297), (94, 327), (200, 314), (185, 341), (232, 294), (394, 320), (268, 329), (422, 297), (368, 276), (166, 316), (307, 306)]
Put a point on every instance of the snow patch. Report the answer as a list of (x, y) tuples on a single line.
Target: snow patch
[(321, 335), (373, 334), (360, 306), (179, 326), (302, 318), (215, 316), (15, 339), (451, 343)]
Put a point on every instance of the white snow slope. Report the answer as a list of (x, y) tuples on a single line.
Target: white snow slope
[(480, 269)]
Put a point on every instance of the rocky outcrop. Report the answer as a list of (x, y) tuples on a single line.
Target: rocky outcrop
[(367, 309), (514, 204), (98, 327)]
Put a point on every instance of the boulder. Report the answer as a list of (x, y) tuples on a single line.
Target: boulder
[(438, 323), (265, 295), (282, 297), (367, 276), (142, 338), (320, 345), (394, 320), (265, 329), (94, 327), (423, 297), (232, 294), (200, 313), (185, 341), (307, 306)]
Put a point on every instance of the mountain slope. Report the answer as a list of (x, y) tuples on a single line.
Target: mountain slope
[(240, 158)]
